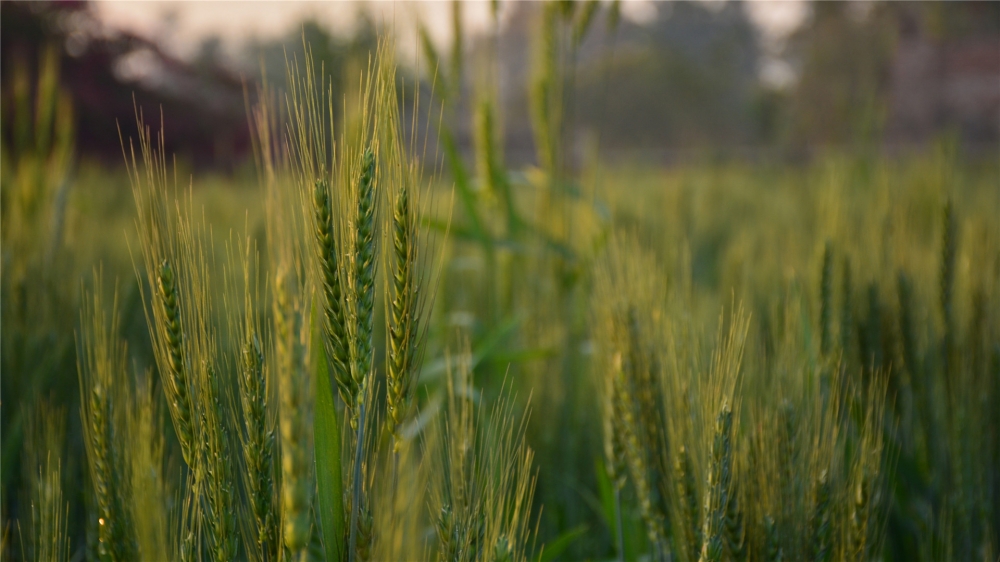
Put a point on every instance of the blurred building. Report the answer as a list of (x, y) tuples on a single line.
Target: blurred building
[(111, 73), (946, 81)]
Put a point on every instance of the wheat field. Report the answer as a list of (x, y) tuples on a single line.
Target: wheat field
[(372, 346)]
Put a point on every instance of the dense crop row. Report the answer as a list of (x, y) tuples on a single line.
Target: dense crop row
[(723, 362)]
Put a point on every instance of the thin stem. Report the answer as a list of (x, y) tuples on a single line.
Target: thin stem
[(619, 535), (395, 487), (356, 491)]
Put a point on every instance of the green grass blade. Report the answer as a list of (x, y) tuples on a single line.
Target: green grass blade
[(329, 481), (606, 491), (556, 548)]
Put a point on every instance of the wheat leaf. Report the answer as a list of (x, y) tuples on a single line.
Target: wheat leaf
[(329, 481)]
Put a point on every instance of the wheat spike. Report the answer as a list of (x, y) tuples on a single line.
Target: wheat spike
[(295, 484), (258, 446), (688, 495), (101, 365), (717, 534), (220, 511), (176, 384), (446, 535), (404, 315), (366, 534), (364, 278), (859, 520), (637, 462), (147, 480), (336, 340), (50, 512)]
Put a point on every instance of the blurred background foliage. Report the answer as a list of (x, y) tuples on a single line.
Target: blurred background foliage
[(732, 161), (686, 79)]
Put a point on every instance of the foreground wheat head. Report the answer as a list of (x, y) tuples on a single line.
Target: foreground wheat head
[(792, 482), (289, 448)]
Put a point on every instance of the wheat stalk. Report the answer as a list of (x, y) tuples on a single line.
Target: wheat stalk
[(220, 508), (772, 544), (846, 312), (102, 363), (947, 288), (290, 371), (258, 446), (821, 546), (826, 300), (50, 512), (145, 472), (45, 438), (482, 481)]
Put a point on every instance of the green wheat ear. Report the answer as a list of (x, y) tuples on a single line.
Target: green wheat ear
[(614, 449), (51, 512), (366, 534), (176, 384), (44, 441), (220, 508), (636, 459), (688, 495), (144, 462), (859, 519), (295, 485), (336, 340), (447, 532), (404, 317), (258, 446), (722, 530), (101, 365), (364, 279)]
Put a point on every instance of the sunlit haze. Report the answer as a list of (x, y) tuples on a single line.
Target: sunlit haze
[(181, 26)]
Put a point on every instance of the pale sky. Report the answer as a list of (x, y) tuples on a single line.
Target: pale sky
[(180, 25)]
